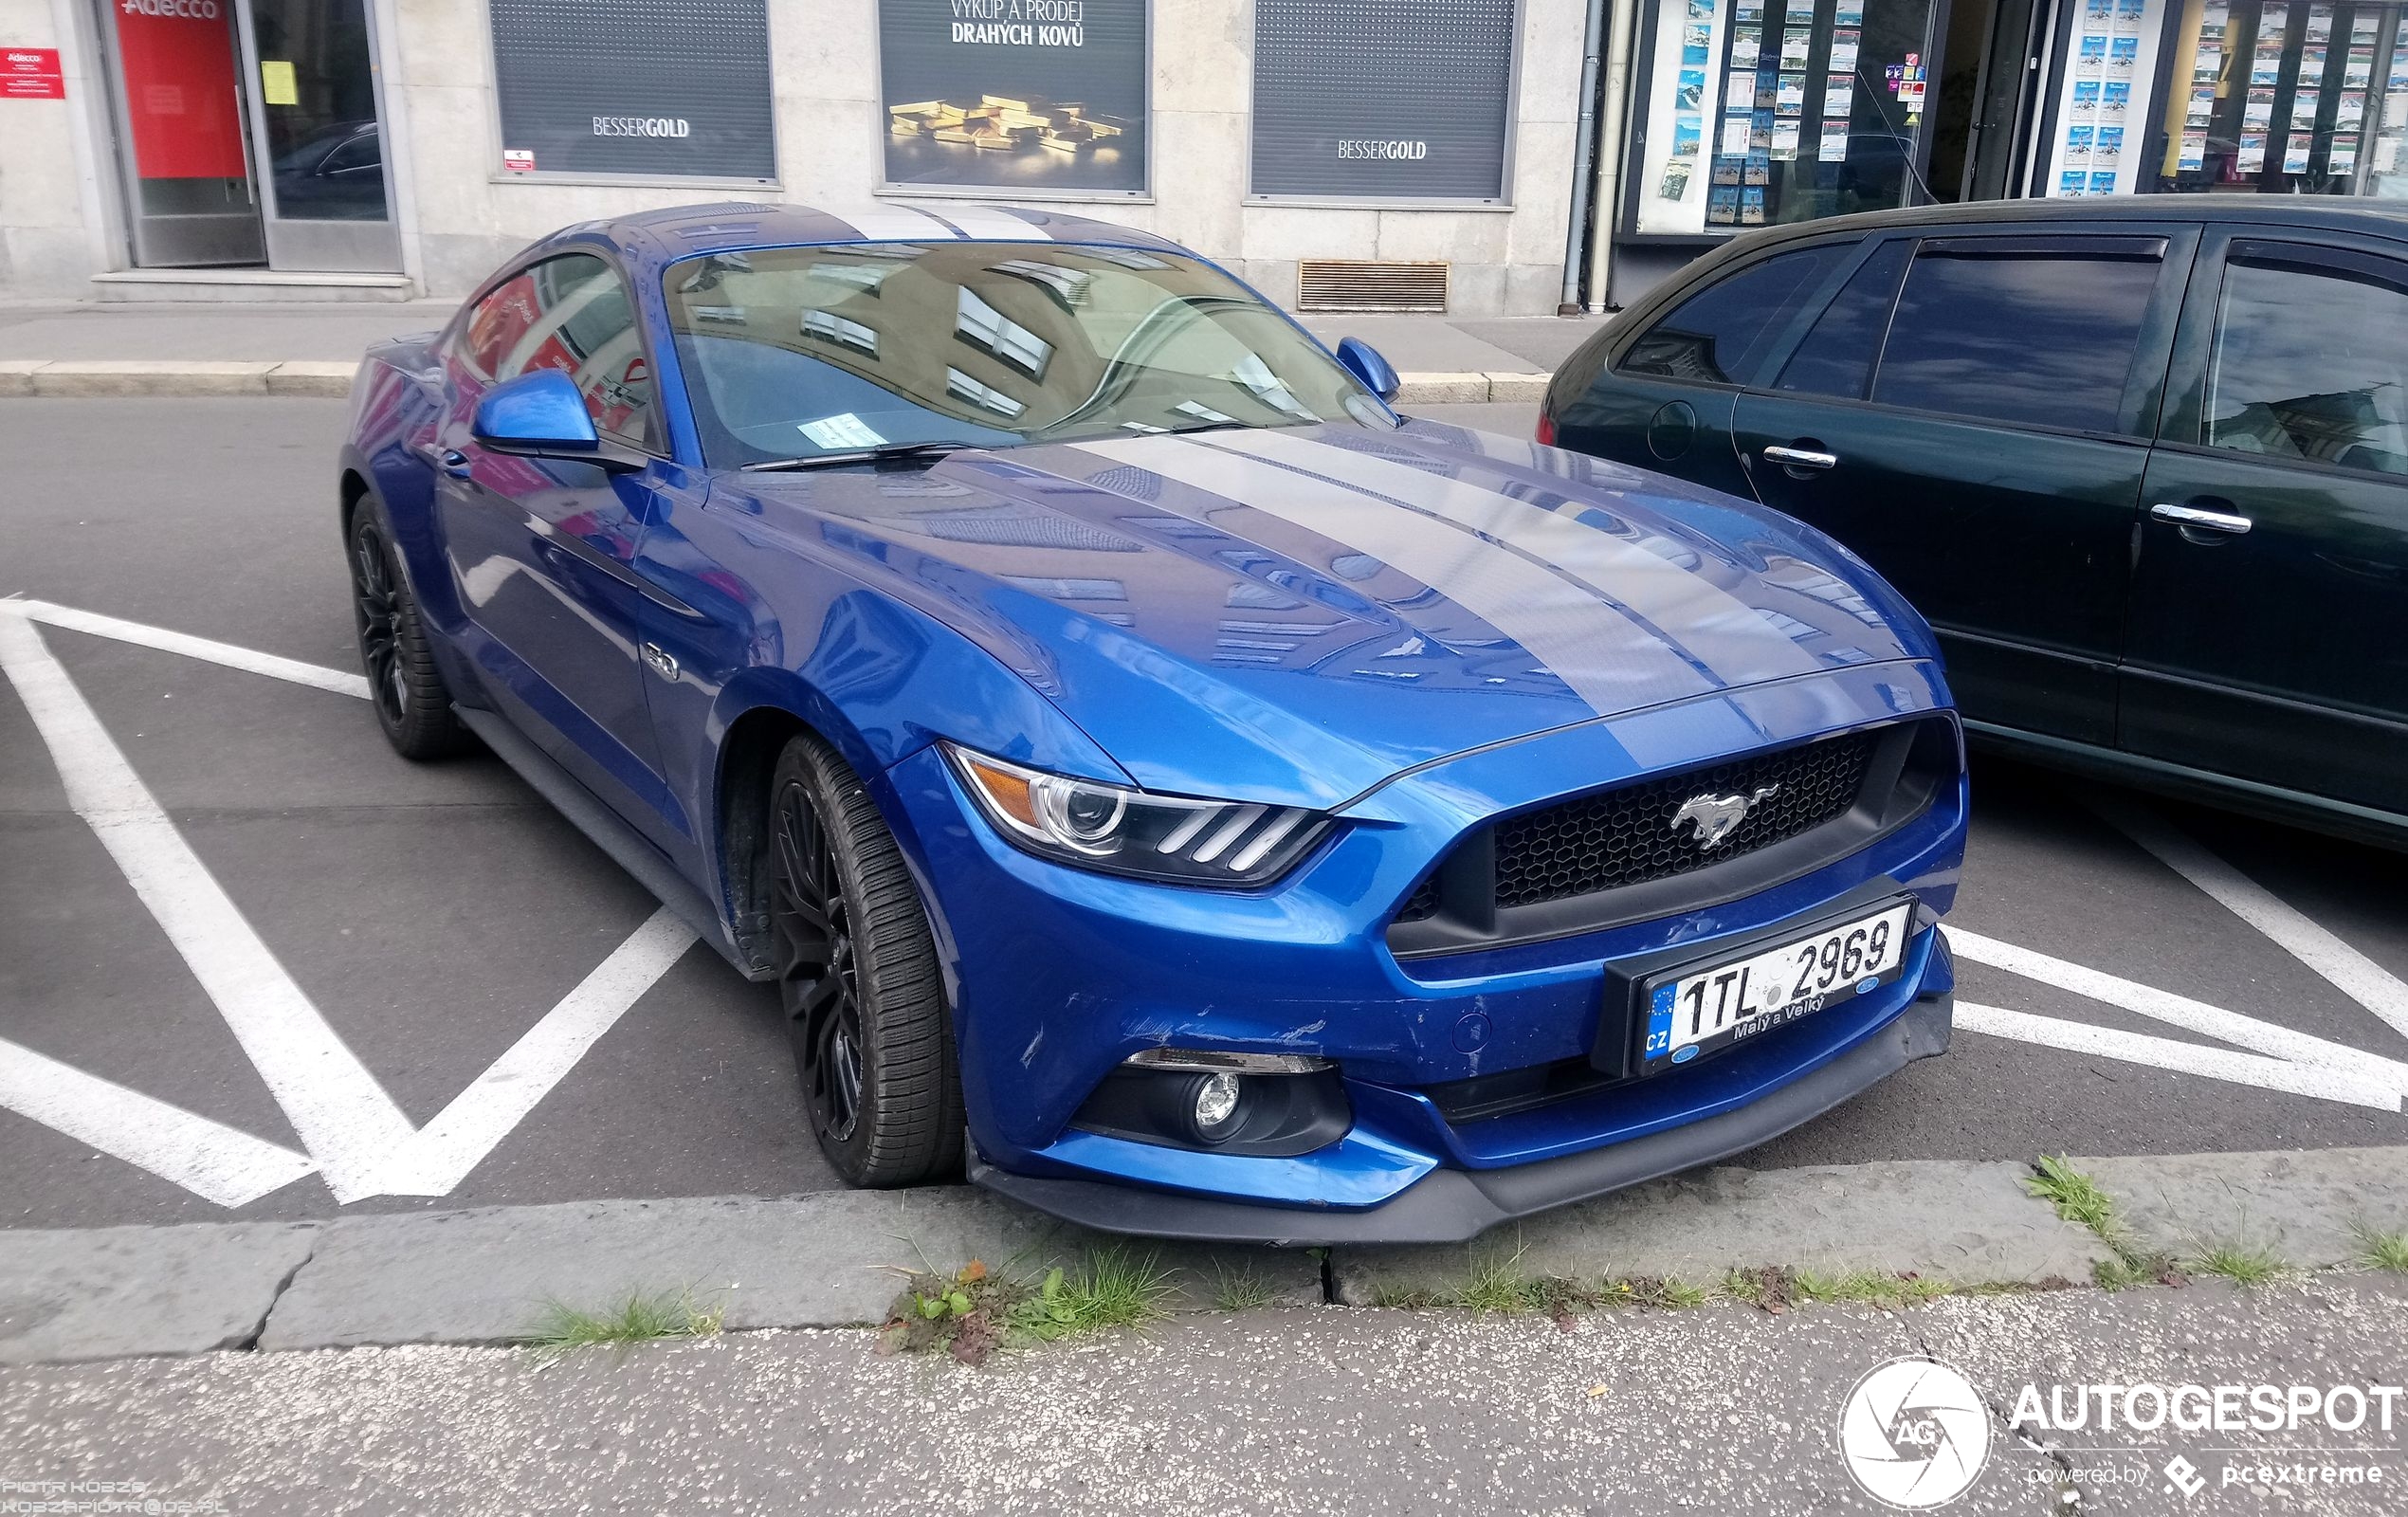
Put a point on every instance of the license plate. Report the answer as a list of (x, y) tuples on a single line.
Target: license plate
[(1694, 1012)]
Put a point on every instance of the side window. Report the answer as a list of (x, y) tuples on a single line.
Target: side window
[(2310, 361), (2032, 333), (1719, 332), (1837, 356), (572, 314)]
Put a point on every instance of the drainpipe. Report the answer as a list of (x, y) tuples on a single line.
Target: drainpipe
[(1583, 166), (1612, 146)]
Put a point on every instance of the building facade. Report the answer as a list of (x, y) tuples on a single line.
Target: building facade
[(283, 149), (1339, 153)]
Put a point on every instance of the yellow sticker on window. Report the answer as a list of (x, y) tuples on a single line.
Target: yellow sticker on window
[(276, 83)]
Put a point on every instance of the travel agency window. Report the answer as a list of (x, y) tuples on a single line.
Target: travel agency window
[(2286, 98), (1754, 113)]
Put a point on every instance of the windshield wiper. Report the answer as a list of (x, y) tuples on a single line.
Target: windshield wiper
[(859, 455)]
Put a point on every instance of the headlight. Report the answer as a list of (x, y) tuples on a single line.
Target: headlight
[(1131, 831)]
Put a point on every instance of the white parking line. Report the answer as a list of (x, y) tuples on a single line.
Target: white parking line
[(442, 1153), (2186, 1058), (2179, 1010), (350, 1125), (2358, 977), (208, 1159), (248, 660)]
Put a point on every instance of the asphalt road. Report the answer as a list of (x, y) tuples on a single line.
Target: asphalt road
[(435, 915)]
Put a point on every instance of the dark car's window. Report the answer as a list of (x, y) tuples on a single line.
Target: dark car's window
[(794, 352), (2041, 335), (571, 314), (2311, 362), (1837, 356), (1719, 332)]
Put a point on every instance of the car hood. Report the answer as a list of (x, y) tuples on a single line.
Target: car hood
[(1296, 615)]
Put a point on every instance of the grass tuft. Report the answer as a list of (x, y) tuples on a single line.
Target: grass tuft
[(2076, 1196), (2242, 1263), (1497, 1285), (1870, 1287), (562, 1329), (2382, 1250), (1114, 1289), (1239, 1290)]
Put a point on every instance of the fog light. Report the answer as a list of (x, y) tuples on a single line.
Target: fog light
[(1215, 1105)]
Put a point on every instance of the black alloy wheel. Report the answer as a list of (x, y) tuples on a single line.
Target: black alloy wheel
[(858, 978), (411, 705)]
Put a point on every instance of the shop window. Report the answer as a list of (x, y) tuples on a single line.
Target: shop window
[(2288, 97), (1762, 112), (2029, 338), (1837, 356), (2311, 363), (1719, 332)]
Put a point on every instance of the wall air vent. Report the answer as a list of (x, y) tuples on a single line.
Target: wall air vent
[(1360, 284)]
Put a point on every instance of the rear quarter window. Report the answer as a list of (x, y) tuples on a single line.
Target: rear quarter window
[(1717, 333)]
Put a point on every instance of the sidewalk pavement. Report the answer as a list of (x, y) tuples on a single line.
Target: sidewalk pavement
[(1723, 1409), (208, 349)]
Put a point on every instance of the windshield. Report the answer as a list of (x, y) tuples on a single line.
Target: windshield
[(800, 352)]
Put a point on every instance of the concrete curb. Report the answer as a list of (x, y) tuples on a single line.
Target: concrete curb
[(483, 1276), (146, 378), (119, 377)]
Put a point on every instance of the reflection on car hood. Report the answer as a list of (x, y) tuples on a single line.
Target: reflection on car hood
[(1298, 615)]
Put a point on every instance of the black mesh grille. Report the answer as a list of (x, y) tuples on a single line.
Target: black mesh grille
[(1625, 836), (1423, 902)]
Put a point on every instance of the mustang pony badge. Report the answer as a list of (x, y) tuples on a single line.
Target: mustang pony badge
[(1717, 816)]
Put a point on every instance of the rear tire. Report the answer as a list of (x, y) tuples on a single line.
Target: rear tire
[(404, 686), (858, 979)]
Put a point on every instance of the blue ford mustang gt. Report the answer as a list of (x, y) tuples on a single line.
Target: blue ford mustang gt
[(1159, 778)]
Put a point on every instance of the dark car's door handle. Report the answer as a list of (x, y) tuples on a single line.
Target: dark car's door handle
[(449, 461), (2191, 518), (1799, 457)]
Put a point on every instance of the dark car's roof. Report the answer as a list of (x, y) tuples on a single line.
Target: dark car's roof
[(2335, 211)]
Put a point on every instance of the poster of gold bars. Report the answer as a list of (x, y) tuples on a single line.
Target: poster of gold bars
[(1028, 97)]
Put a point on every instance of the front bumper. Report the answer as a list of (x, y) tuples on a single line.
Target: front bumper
[(1057, 975), (1450, 1205)]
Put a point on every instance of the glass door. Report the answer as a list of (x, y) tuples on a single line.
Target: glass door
[(180, 139), (326, 198), (2290, 99)]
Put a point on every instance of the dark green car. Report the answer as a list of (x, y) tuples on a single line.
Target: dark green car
[(2142, 461)]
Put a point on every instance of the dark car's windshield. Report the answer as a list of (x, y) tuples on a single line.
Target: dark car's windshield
[(798, 351)]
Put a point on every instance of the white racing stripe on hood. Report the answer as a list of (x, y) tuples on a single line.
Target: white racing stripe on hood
[(895, 223), (1714, 626), (1607, 659)]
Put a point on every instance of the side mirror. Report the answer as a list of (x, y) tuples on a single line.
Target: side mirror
[(1363, 361), (542, 415)]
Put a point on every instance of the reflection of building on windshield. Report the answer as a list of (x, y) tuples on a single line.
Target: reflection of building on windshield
[(982, 326), (1068, 287), (1252, 372), (863, 277), (957, 383), (2341, 427), (829, 327)]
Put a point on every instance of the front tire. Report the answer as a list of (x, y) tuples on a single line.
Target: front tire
[(858, 979), (404, 686)]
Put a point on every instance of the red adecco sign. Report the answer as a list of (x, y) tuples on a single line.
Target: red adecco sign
[(31, 74), (178, 62)]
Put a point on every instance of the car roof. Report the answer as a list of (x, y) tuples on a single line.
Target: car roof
[(2336, 212), (656, 238)]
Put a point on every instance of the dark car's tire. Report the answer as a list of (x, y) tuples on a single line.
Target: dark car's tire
[(404, 686), (858, 979)]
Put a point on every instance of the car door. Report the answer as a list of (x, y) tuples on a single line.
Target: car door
[(2269, 604), (542, 550), (1662, 399), (1971, 413)]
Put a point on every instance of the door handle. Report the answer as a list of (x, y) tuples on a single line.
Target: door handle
[(449, 461), (2190, 518), (1799, 457)]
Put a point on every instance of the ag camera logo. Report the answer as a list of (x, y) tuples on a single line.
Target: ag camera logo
[(1914, 1434)]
